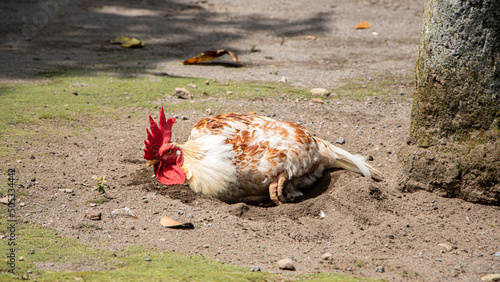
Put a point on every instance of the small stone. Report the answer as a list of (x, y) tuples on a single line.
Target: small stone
[(147, 259), (207, 82), (497, 254), (183, 93), (286, 264), (229, 93), (193, 86), (93, 215), (369, 158), (319, 92), (31, 251), (21, 258), (446, 246), (340, 140), (283, 79), (438, 260), (255, 269), (380, 269), (327, 256)]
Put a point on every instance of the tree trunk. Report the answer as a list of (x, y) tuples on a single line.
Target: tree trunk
[(454, 146)]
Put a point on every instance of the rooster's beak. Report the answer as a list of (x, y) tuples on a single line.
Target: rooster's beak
[(152, 162)]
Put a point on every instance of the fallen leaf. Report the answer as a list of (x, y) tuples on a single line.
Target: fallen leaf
[(210, 55), (252, 112), (362, 25), (170, 223), (127, 42), (491, 277), (317, 100)]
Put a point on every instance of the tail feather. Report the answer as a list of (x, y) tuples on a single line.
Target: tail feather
[(335, 157)]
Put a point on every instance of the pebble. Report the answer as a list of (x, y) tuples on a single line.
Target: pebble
[(340, 140), (286, 264), (446, 246), (21, 258), (183, 93), (147, 259), (327, 256), (497, 254), (380, 269), (255, 268), (93, 215), (319, 92)]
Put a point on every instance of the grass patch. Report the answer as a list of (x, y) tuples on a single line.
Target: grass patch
[(390, 87), (37, 244)]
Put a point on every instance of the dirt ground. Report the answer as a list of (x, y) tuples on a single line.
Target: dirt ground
[(366, 224)]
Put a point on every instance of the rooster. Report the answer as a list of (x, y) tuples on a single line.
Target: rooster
[(245, 158)]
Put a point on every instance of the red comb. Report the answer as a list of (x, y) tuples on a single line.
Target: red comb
[(158, 134)]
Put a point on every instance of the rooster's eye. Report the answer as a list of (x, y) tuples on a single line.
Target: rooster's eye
[(169, 151)]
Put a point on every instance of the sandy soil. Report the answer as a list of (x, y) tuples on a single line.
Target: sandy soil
[(367, 224)]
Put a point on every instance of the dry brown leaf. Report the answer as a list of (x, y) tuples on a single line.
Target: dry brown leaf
[(362, 25), (170, 223), (317, 100), (252, 112), (210, 55)]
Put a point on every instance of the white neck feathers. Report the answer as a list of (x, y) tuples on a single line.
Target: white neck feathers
[(207, 164)]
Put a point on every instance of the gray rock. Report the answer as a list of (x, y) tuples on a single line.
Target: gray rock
[(255, 268), (340, 140), (286, 264), (380, 269), (497, 254)]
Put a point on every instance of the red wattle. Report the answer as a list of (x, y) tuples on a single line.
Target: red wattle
[(170, 174)]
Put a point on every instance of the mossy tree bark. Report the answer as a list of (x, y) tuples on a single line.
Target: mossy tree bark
[(454, 146)]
